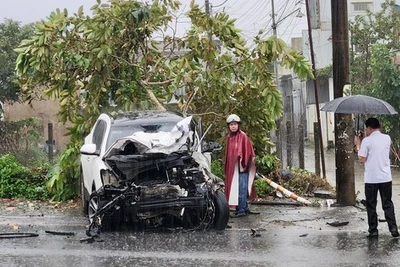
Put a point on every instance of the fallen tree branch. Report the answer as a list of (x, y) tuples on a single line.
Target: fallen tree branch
[(284, 191), (59, 233), (16, 235)]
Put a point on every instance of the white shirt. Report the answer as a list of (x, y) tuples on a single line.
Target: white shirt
[(375, 148)]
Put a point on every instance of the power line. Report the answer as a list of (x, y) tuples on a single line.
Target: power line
[(249, 13), (284, 9), (220, 4)]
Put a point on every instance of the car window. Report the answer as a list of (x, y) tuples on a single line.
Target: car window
[(118, 132), (98, 134)]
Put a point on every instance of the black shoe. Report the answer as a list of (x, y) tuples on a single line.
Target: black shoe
[(395, 233), (373, 235), (237, 215)]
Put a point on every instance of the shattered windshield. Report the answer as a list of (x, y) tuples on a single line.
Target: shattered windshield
[(120, 131), (179, 137)]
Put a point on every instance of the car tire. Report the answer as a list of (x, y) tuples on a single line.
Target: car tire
[(111, 220), (221, 210), (85, 201), (93, 205)]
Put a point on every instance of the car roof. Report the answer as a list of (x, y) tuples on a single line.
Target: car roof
[(145, 117)]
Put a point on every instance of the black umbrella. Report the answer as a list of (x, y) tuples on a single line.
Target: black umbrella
[(359, 104)]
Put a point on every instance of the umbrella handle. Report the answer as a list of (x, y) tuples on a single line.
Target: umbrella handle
[(358, 123)]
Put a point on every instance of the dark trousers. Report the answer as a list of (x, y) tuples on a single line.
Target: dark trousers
[(371, 194), (242, 208)]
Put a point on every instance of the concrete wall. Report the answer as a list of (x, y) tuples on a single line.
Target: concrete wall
[(322, 43), (322, 47), (325, 13), (46, 111), (327, 124), (327, 120)]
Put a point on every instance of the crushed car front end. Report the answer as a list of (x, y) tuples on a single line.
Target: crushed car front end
[(150, 186)]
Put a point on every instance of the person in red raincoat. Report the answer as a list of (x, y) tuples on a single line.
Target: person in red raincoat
[(239, 167)]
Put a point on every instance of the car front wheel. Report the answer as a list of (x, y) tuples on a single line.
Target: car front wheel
[(110, 220), (221, 210)]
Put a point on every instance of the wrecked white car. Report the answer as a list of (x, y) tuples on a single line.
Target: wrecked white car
[(155, 177)]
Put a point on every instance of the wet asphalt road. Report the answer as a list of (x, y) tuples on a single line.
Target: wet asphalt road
[(297, 236), (289, 236)]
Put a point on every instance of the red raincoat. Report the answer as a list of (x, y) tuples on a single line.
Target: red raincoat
[(238, 150)]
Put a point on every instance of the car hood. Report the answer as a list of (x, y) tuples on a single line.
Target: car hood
[(155, 143)]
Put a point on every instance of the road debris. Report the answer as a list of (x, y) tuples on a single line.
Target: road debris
[(337, 223), (59, 233), (254, 233), (16, 235), (91, 239)]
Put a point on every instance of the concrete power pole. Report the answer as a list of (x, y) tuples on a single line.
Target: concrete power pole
[(278, 122), (344, 133), (276, 35), (207, 4), (311, 44)]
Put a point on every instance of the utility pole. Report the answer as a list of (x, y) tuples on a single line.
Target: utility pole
[(207, 4), (321, 144), (276, 36), (344, 134), (278, 122)]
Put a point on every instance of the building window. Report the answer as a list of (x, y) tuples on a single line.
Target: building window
[(361, 6)]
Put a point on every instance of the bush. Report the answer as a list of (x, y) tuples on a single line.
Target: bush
[(304, 182), (267, 164), (216, 168), (63, 183), (20, 138), (300, 182), (18, 181), (263, 189), (33, 156)]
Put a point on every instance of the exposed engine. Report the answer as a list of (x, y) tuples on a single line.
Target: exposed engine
[(149, 192), (154, 180)]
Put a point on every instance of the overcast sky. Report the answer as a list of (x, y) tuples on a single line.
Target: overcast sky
[(28, 11), (252, 15)]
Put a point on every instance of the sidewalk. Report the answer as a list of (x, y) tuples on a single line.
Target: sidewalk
[(316, 217)]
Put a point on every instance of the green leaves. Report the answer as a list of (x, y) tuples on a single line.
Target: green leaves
[(11, 33), (374, 69), (18, 181), (229, 77), (369, 30), (114, 61), (141, 15)]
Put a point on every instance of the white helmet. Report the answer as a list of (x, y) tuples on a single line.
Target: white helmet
[(233, 118)]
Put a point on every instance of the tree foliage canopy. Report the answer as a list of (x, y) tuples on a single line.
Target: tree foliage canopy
[(386, 86), (11, 34), (375, 67), (379, 28), (126, 56)]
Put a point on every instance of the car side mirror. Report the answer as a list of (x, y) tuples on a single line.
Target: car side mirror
[(211, 147), (89, 149)]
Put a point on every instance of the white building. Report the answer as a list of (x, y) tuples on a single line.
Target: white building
[(321, 24)]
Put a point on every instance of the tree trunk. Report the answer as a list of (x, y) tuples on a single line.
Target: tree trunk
[(154, 100)]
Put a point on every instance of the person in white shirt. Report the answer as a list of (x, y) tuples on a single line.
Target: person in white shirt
[(374, 152)]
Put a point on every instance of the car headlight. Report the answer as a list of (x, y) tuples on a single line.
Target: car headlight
[(108, 178)]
